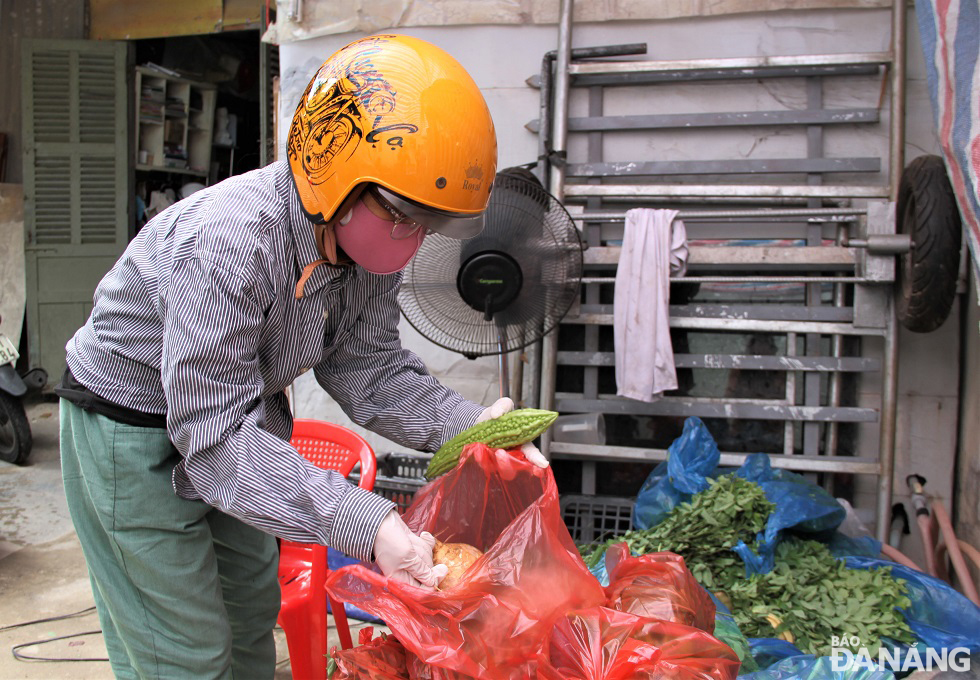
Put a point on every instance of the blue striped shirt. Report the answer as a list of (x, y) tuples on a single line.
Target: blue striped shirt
[(198, 320)]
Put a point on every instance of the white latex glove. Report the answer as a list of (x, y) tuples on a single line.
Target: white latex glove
[(499, 408), (405, 557)]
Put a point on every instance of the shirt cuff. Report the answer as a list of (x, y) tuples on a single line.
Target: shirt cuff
[(356, 523), (463, 417)]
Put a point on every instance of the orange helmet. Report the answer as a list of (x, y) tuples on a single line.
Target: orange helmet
[(401, 113)]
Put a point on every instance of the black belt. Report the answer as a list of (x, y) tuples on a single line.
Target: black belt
[(75, 392)]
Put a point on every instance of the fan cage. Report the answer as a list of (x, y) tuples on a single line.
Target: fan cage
[(530, 225)]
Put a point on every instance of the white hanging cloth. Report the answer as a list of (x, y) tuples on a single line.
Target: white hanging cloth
[(654, 249)]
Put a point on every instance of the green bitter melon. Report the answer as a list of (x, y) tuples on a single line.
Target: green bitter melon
[(506, 432)]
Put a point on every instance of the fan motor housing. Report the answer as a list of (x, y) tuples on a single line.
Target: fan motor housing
[(489, 281)]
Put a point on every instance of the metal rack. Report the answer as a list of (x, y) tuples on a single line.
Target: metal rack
[(820, 225)]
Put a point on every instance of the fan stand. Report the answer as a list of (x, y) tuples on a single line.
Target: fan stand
[(489, 281), (502, 369)]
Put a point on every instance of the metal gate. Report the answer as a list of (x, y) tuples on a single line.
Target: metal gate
[(784, 329)]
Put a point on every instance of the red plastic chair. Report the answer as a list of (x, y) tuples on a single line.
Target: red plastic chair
[(303, 567)]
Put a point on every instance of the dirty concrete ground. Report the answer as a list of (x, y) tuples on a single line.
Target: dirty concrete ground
[(43, 574)]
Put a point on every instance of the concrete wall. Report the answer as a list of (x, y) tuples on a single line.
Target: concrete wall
[(501, 58), (304, 19), (12, 280), (966, 511)]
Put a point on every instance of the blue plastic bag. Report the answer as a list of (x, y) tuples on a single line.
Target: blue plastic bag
[(800, 504), (769, 651), (599, 570), (808, 667), (693, 458), (336, 560), (940, 617)]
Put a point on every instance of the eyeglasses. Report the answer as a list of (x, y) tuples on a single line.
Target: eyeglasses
[(409, 217), (404, 227)]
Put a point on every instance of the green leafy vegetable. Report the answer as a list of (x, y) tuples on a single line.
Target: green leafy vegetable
[(809, 598)]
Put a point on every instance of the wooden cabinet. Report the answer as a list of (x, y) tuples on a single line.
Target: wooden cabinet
[(174, 123)]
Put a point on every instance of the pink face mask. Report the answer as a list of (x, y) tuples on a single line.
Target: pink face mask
[(367, 239)]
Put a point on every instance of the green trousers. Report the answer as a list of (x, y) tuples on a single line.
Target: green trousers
[(182, 589)]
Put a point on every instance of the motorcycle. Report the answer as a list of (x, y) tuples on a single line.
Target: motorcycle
[(15, 430)]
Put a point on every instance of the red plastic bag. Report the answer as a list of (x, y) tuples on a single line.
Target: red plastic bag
[(420, 670), (494, 624), (659, 586), (605, 644), (382, 658)]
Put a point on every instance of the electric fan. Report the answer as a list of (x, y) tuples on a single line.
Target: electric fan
[(505, 288)]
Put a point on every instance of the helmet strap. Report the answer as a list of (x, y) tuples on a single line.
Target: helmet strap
[(326, 241), (305, 276)]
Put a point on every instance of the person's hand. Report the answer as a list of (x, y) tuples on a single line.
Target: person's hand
[(499, 408), (405, 557)]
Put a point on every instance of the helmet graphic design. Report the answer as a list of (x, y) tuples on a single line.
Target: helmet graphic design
[(334, 123), (398, 112)]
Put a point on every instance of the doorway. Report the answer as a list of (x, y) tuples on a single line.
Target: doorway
[(231, 63)]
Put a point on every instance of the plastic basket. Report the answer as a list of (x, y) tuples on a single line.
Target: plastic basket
[(596, 518), (403, 465), (399, 476)]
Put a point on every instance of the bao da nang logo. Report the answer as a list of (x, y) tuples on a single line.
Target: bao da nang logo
[(894, 659)]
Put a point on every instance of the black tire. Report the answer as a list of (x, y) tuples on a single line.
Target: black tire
[(926, 276), (15, 430)]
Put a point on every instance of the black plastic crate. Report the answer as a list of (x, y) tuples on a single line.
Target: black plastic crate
[(405, 465), (399, 476), (591, 519)]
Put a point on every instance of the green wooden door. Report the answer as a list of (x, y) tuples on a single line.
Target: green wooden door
[(77, 184)]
